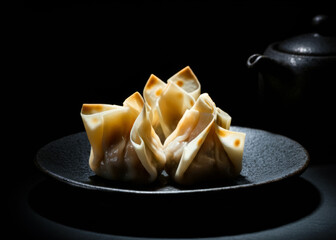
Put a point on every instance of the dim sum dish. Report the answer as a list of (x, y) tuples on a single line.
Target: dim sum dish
[(173, 128), (171, 137)]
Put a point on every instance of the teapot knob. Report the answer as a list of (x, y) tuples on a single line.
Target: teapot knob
[(324, 25)]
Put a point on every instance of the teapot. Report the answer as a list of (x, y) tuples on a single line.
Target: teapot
[(296, 80)]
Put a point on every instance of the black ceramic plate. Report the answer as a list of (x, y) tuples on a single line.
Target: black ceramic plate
[(267, 158)]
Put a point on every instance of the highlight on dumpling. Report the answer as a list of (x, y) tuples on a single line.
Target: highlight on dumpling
[(172, 128), (169, 101)]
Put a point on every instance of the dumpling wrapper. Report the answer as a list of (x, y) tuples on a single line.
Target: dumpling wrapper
[(202, 148), (168, 102), (126, 141), (124, 145)]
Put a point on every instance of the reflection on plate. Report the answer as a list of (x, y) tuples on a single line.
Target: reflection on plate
[(267, 158)]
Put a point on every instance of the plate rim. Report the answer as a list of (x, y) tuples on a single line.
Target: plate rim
[(91, 187)]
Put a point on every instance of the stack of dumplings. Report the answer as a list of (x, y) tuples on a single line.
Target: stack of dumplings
[(172, 128)]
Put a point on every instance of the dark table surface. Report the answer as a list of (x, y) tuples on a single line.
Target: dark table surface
[(299, 208)]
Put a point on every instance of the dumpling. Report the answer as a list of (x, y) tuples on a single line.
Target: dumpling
[(168, 102), (173, 128), (202, 147), (124, 146)]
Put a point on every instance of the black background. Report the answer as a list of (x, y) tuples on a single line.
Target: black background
[(66, 53), (74, 52)]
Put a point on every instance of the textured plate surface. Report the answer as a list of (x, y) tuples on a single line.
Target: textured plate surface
[(267, 158)]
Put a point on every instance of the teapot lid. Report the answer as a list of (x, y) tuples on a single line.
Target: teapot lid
[(321, 43)]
